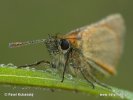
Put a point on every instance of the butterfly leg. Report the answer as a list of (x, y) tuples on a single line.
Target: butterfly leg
[(63, 75), (35, 64), (88, 80), (65, 66), (98, 82)]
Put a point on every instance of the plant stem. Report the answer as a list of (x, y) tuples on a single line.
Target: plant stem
[(51, 79)]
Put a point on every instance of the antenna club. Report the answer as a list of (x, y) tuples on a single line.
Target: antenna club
[(15, 44), (19, 44)]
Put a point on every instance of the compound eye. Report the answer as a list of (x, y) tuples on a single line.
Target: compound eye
[(64, 44)]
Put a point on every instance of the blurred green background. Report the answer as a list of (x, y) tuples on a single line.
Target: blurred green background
[(22, 20)]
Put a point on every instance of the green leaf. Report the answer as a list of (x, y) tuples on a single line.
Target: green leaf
[(50, 78)]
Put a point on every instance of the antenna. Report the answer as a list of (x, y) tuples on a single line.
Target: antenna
[(20, 44)]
